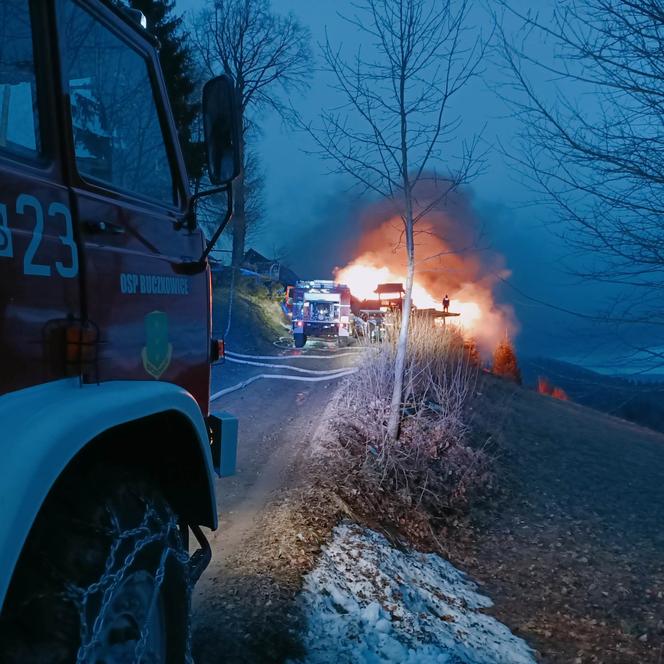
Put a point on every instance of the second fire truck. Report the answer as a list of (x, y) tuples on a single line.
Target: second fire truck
[(320, 309)]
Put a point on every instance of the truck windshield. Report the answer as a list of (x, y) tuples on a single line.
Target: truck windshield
[(117, 134), (18, 99)]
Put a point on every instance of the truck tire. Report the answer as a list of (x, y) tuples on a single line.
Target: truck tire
[(102, 579), (299, 340)]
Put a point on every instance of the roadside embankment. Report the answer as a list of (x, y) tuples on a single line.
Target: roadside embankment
[(558, 517)]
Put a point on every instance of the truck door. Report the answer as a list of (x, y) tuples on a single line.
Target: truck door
[(129, 186), (39, 262)]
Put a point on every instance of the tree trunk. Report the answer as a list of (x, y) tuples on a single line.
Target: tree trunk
[(239, 234), (402, 343), (239, 214), (394, 421)]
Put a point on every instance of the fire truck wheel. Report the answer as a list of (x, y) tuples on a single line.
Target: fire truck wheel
[(103, 578), (342, 342), (300, 340)]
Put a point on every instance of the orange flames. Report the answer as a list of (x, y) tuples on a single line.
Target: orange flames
[(466, 275), (362, 278)]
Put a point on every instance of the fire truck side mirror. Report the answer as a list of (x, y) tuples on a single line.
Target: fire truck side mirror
[(222, 130)]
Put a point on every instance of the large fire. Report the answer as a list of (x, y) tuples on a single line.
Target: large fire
[(462, 272), (363, 279)]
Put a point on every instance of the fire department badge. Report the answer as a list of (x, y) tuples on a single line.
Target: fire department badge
[(157, 351)]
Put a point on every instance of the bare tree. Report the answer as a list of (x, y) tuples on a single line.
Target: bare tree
[(396, 125), (254, 203), (254, 186), (268, 56), (593, 140)]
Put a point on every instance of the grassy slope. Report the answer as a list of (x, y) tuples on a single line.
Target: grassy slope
[(257, 319), (574, 556)]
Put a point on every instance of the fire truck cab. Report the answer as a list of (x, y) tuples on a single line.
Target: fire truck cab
[(320, 309), (108, 451)]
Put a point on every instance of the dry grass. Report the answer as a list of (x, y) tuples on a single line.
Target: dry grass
[(574, 555), (432, 468)]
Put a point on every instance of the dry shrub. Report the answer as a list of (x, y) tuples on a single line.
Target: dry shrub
[(544, 386), (559, 393), (432, 467)]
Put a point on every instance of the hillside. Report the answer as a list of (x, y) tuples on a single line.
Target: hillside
[(639, 402), (569, 547), (573, 554), (256, 318)]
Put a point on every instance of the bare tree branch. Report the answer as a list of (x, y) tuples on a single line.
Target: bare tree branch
[(268, 56), (395, 125), (592, 141)]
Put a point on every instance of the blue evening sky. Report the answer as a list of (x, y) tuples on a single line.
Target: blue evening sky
[(301, 194)]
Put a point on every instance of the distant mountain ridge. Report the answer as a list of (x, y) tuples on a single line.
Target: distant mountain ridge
[(638, 401)]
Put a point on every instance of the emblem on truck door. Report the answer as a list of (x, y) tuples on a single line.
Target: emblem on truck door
[(157, 351)]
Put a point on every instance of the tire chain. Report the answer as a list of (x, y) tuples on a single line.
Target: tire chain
[(111, 580)]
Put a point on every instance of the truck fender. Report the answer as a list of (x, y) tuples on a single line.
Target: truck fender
[(46, 426)]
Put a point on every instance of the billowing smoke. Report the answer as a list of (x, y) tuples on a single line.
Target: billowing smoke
[(451, 258)]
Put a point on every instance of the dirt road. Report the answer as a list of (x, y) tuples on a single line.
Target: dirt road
[(278, 420)]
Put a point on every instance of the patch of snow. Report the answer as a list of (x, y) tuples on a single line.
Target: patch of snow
[(368, 603)]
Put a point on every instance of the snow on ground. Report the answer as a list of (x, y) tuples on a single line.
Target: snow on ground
[(368, 603)]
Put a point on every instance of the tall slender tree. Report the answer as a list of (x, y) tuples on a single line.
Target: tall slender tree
[(395, 126), (267, 55)]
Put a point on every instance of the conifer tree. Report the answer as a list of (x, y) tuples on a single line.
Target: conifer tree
[(504, 361), (179, 71)]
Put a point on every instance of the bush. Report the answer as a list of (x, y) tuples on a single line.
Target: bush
[(431, 466)]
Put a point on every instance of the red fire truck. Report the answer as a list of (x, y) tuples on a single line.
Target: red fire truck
[(108, 450), (320, 308)]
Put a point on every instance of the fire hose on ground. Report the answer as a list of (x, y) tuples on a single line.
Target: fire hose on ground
[(294, 357), (286, 343), (318, 375)]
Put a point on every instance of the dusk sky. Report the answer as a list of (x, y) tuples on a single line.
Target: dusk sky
[(302, 195)]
